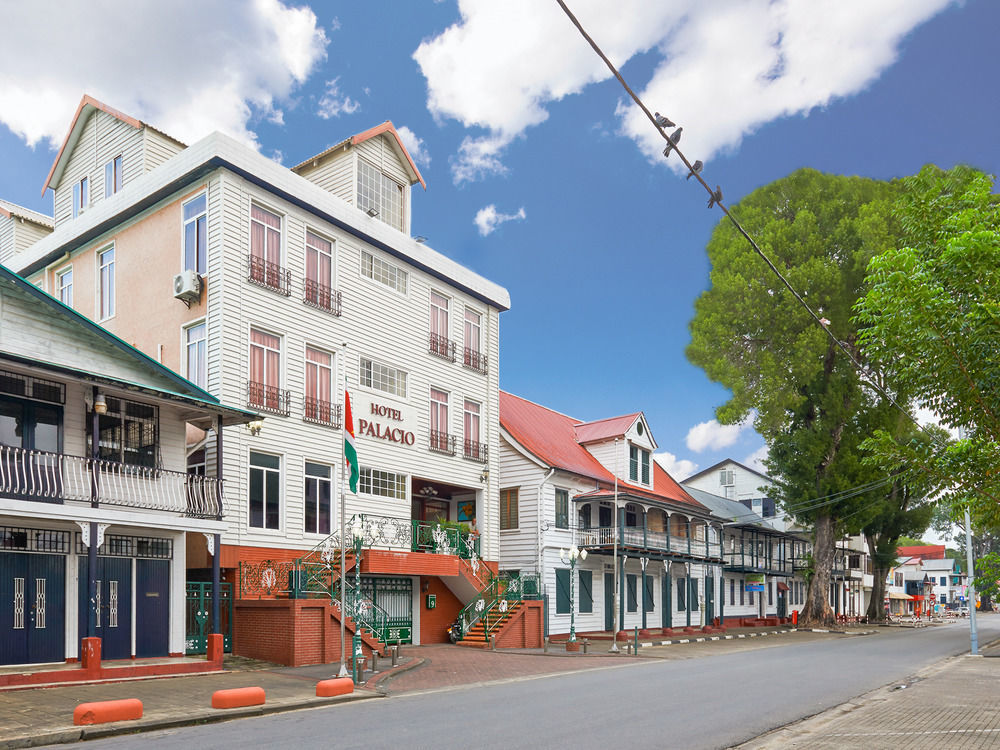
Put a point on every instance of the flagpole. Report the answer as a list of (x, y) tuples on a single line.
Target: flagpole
[(343, 531)]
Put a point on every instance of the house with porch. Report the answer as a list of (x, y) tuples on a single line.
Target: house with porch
[(270, 287), (97, 508), (653, 553)]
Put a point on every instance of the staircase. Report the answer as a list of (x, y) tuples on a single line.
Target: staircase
[(492, 608), (489, 625)]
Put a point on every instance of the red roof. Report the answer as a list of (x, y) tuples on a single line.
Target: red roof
[(922, 551), (604, 429), (553, 438)]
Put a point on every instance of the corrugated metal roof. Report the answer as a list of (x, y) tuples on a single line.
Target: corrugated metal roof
[(604, 429), (12, 209)]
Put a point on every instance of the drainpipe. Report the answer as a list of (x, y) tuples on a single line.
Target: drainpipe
[(538, 526)]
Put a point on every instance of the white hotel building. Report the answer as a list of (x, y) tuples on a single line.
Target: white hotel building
[(269, 287)]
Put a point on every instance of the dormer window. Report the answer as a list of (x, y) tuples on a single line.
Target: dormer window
[(379, 195), (638, 464)]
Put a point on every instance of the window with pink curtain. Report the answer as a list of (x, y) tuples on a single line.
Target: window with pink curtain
[(319, 380), (439, 419), (439, 315), (472, 429), (319, 270), (265, 368), (265, 245)]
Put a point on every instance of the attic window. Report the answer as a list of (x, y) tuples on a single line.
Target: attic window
[(380, 195), (638, 429)]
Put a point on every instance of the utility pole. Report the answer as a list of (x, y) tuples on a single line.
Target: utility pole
[(614, 637), (973, 633)]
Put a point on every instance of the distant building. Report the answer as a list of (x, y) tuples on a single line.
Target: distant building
[(922, 551), (734, 481)]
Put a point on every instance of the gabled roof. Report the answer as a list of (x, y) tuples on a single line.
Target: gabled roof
[(922, 551), (9, 210), (552, 438), (183, 388), (722, 463), (605, 429), (736, 512), (385, 128), (89, 104)]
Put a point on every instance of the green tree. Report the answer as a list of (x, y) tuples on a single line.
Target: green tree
[(912, 541), (930, 322), (782, 370)]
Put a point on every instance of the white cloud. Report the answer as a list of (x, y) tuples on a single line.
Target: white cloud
[(208, 68), (755, 460), (679, 469), (333, 103), (724, 68), (415, 145), (488, 218), (714, 436)]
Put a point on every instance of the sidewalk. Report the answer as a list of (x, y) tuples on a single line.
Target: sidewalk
[(953, 704)]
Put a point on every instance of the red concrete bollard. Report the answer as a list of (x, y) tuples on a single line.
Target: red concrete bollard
[(101, 712), (238, 697), (90, 653), (795, 617), (334, 686), (216, 648)]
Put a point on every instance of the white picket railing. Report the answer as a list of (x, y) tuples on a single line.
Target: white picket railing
[(55, 477)]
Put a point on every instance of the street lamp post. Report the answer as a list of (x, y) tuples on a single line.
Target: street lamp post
[(358, 536), (570, 558)]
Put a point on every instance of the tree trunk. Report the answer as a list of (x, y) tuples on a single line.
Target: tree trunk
[(817, 611)]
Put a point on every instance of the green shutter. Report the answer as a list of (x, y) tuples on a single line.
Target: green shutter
[(630, 587), (562, 509), (681, 594), (586, 592), (693, 598), (647, 595), (562, 591)]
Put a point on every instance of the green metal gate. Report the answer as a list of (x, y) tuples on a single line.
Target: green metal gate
[(199, 616), (395, 596)]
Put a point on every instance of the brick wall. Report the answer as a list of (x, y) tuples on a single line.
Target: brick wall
[(434, 622), (524, 629)]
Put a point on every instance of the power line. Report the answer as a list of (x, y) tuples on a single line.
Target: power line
[(715, 198)]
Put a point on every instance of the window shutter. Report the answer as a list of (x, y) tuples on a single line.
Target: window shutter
[(586, 592), (647, 595), (693, 598), (562, 591), (681, 594), (631, 589)]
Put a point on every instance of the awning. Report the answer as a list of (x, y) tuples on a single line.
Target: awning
[(897, 595), (782, 586)]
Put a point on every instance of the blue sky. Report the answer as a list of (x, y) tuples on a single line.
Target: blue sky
[(604, 253)]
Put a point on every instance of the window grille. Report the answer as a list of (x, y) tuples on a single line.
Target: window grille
[(26, 386)]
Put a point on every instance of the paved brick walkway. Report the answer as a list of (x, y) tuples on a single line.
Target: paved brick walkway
[(952, 705)]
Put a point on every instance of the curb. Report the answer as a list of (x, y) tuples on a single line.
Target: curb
[(215, 716), (378, 683)]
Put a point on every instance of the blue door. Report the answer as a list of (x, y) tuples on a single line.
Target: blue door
[(32, 608), (152, 607), (114, 605)]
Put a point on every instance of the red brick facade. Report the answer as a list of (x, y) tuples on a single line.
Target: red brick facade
[(434, 622), (524, 629)]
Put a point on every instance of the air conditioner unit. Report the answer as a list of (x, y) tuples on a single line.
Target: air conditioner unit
[(187, 285)]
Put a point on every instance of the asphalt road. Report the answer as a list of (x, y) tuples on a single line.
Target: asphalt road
[(710, 702)]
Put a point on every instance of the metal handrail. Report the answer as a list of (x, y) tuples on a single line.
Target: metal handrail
[(474, 360), (269, 398), (269, 275), (322, 297), (57, 477), (441, 346)]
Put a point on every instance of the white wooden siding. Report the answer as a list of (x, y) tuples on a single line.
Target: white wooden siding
[(336, 174), (157, 148), (7, 248)]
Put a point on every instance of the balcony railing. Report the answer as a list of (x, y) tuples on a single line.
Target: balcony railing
[(56, 478), (474, 360), (442, 346), (321, 412), (442, 442), (476, 451), (321, 296), (747, 560), (635, 536), (269, 275), (268, 398)]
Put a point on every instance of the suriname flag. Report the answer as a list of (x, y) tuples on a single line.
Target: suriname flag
[(350, 452)]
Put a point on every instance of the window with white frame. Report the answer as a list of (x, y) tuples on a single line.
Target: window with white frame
[(106, 281), (382, 483), (508, 509), (380, 195), (473, 447), (440, 439), (196, 354), (562, 509), (195, 213), (473, 340), (265, 249), (319, 273), (382, 377), (113, 176), (265, 491), (64, 286), (265, 371), (81, 196), (383, 272), (318, 494), (439, 339), (638, 466), (319, 386)]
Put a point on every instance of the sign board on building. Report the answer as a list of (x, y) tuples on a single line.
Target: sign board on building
[(385, 420), (754, 582)]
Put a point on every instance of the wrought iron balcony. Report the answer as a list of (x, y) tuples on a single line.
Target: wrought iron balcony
[(269, 275), (56, 478), (645, 539), (747, 560), (474, 360), (321, 412), (476, 451), (442, 442), (442, 346), (268, 398), (321, 296)]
